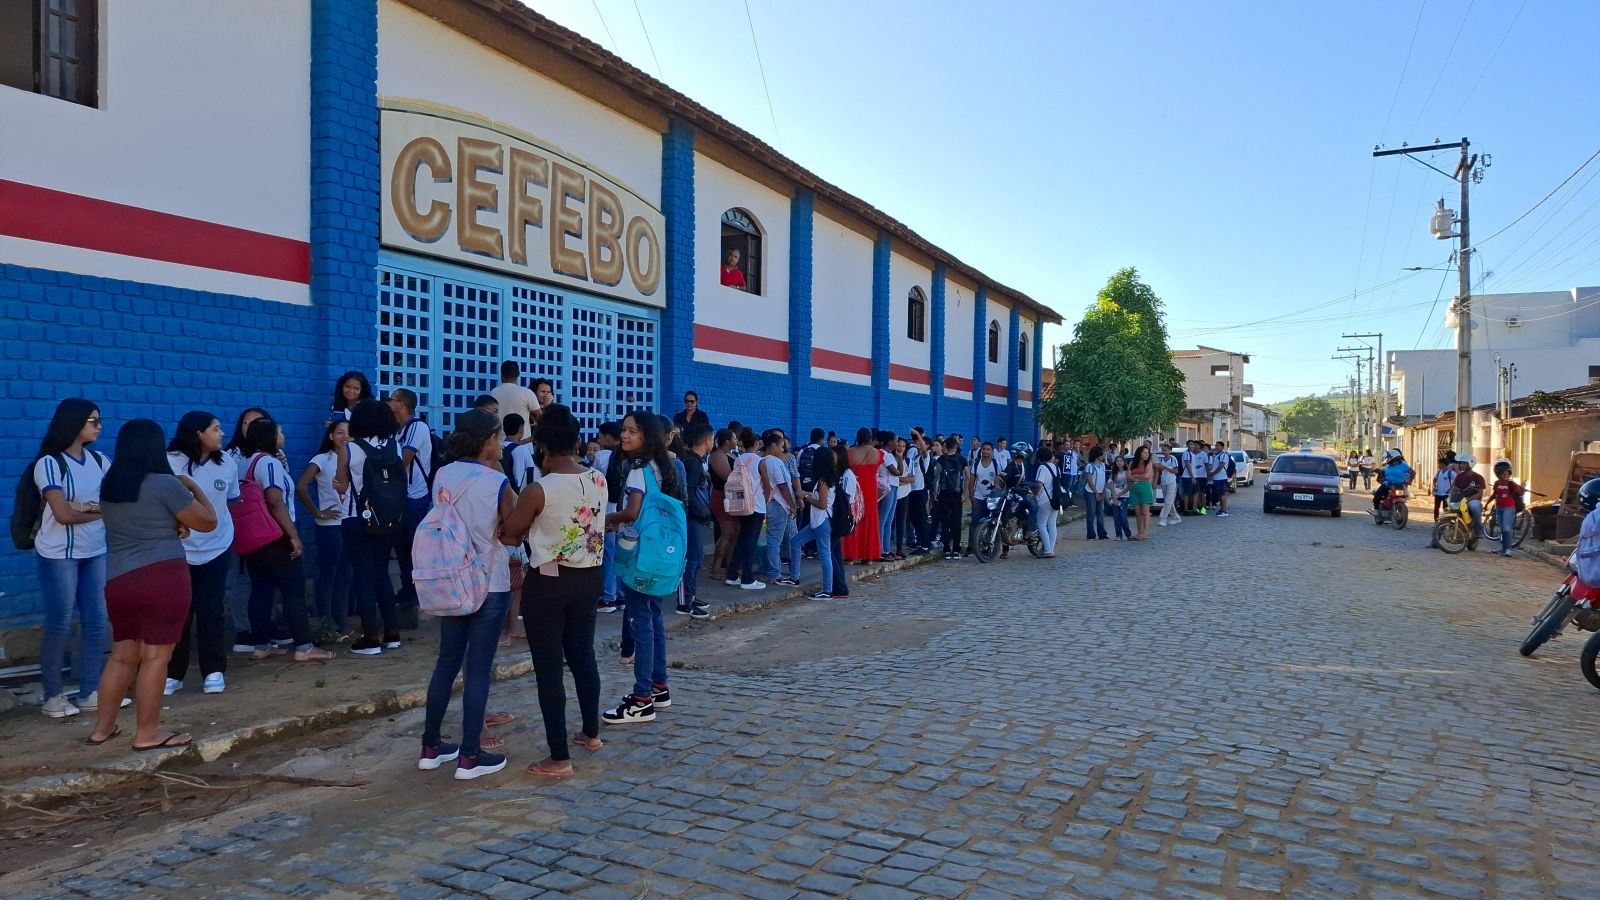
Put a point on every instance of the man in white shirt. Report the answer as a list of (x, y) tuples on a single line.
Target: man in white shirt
[(514, 398), (415, 441), (1002, 456), (917, 514)]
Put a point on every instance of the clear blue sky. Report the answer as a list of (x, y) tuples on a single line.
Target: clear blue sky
[(1222, 148)]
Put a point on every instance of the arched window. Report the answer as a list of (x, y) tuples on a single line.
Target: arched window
[(1022, 352), (916, 315), (994, 340), (740, 235)]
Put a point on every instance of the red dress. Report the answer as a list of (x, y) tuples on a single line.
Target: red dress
[(863, 542)]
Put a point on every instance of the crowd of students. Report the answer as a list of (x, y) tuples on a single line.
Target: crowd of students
[(143, 545)]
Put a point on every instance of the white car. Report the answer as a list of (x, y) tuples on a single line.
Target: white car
[(1244, 470)]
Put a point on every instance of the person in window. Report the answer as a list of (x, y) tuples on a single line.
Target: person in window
[(732, 275)]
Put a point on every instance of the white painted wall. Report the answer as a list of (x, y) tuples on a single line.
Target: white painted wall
[(997, 373), (904, 274), (958, 306), (1025, 376), (1425, 380), (718, 188), (205, 113), (841, 295), (421, 59)]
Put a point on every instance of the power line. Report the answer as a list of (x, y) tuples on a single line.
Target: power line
[(1417, 26), (614, 48), (1542, 200), (1442, 67), (1299, 312), (761, 67), (1487, 64), (649, 43), (1437, 294)]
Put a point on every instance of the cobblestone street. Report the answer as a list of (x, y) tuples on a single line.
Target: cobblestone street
[(1281, 704)]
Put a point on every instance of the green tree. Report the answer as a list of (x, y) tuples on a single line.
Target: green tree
[(1116, 378), (1311, 417)]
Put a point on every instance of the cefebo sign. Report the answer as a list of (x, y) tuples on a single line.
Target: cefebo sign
[(478, 195)]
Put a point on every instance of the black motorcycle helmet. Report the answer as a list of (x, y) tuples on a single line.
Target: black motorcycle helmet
[(1589, 495)]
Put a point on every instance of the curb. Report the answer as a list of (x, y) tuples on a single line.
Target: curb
[(213, 747)]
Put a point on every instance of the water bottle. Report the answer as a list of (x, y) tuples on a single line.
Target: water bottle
[(627, 539)]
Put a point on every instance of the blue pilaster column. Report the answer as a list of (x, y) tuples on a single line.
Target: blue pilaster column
[(880, 326), (936, 348), (801, 222), (980, 360), (677, 206), (1013, 330), (346, 177), (1038, 374)]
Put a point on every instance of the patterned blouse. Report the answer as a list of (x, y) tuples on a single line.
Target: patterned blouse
[(571, 531)]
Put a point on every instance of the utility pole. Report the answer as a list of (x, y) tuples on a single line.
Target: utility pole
[(1382, 411), (1354, 354), (1467, 172)]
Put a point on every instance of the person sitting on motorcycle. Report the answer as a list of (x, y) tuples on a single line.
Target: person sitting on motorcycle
[(1396, 473), (1016, 477), (1469, 486), (1586, 555)]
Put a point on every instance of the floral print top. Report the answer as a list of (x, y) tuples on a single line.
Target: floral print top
[(571, 530)]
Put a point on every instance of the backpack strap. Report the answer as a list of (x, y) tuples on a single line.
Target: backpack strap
[(444, 495)]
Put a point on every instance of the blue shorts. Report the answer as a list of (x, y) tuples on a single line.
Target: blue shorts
[(1219, 489), (1191, 487)]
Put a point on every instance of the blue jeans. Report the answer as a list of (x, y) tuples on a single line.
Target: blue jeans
[(416, 508), (471, 640), (1092, 517), (609, 589), (649, 640), (1475, 508), (745, 560), (1506, 518), (333, 575), (841, 584), (1119, 517), (695, 559), (886, 522), (777, 534), (823, 535), (68, 585)]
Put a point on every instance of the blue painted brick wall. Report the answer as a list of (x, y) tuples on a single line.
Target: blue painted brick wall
[(678, 371), (880, 327), (801, 224), (1009, 353)]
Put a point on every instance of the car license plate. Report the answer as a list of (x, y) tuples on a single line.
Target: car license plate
[(1307, 497)]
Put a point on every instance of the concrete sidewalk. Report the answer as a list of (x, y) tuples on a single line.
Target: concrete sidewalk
[(275, 698)]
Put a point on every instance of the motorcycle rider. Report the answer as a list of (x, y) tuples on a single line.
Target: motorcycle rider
[(1469, 486), (1586, 555), (1396, 473)]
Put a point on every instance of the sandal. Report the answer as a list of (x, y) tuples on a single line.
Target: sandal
[(542, 767), (315, 654), (268, 653), (94, 743), (591, 744), (498, 718), (170, 741), (491, 741), (505, 640)]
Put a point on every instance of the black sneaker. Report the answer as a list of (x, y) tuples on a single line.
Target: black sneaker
[(391, 640), (787, 582), (684, 609), (631, 711), (485, 763), (661, 697), (434, 757), (607, 606), (367, 647), (699, 611)]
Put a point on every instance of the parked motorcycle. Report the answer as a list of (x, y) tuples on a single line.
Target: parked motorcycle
[(1392, 508), (1574, 601), (1005, 525), (1455, 532)]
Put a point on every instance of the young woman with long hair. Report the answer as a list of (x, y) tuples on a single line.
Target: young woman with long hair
[(814, 515), (645, 443), (195, 452), (1117, 489), (332, 503), (477, 487), (1096, 493), (351, 388), (275, 568), (561, 594), (1141, 491), (235, 446), (148, 511), (372, 424), (864, 544), (840, 589), (70, 552), (721, 466), (744, 567)]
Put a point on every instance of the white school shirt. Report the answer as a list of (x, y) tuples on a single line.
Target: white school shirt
[(919, 469), (984, 475), (220, 482), (358, 460), (415, 435), (78, 482), (1002, 458), (327, 498), (902, 491), (602, 464), (1442, 482), (524, 471), (240, 460), (1367, 461), (1045, 475), (777, 476), (270, 473), (1095, 473), (474, 488), (851, 485), (818, 516), (1168, 466), (1221, 460)]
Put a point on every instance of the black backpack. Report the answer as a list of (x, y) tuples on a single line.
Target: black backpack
[(808, 468), (1060, 493), (616, 476), (844, 521), (382, 501), (440, 457), (697, 488), (951, 468), (27, 512)]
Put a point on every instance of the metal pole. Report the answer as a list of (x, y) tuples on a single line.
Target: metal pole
[(1464, 316), (1383, 402)]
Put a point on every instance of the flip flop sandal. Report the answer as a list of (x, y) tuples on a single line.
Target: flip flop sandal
[(166, 743), (498, 718), (538, 768), (585, 742), (94, 743), (491, 742)]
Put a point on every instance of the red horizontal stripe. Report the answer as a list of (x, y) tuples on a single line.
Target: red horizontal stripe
[(56, 217), (841, 362), (721, 340), (957, 383), (910, 374), (996, 390), (1025, 395)]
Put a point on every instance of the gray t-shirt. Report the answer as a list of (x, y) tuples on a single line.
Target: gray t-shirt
[(145, 531)]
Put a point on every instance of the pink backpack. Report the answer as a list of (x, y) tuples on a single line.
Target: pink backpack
[(451, 579), (739, 493), (253, 524)]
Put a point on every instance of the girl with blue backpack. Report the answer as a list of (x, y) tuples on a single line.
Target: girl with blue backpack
[(651, 479)]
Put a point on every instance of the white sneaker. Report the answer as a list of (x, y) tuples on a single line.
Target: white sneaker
[(172, 687), (215, 684), (731, 582), (754, 586), (91, 703), (57, 707)]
